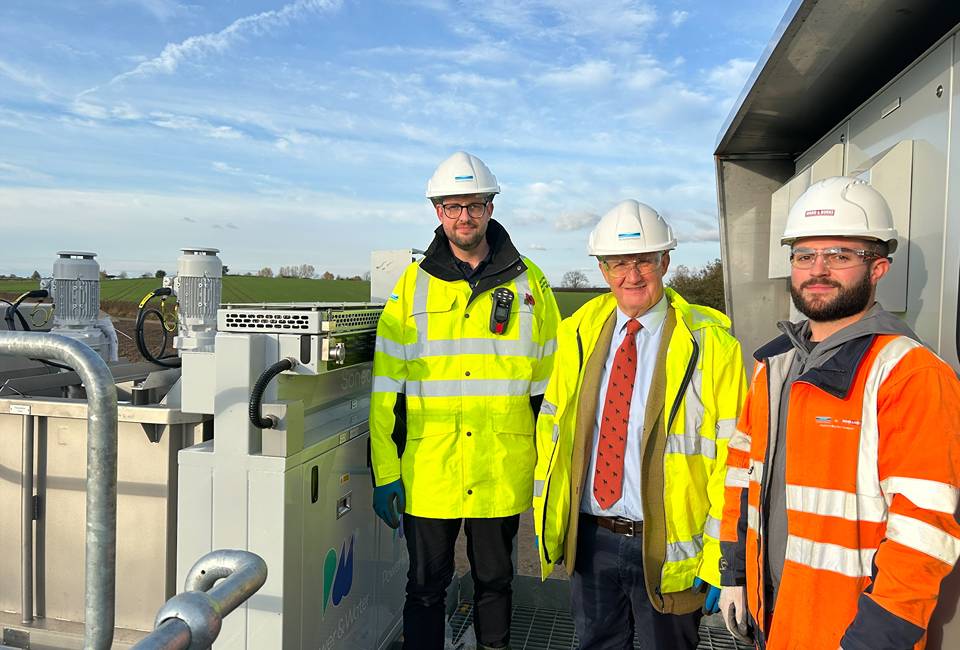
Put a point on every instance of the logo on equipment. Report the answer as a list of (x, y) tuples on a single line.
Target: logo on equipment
[(337, 574)]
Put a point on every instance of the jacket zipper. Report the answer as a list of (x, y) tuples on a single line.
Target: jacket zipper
[(546, 493), (760, 510), (687, 377)]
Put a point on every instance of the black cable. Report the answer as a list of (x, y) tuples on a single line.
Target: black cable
[(14, 309), (169, 361), (256, 395)]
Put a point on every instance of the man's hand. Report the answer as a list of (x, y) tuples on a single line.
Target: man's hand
[(733, 607), (389, 502), (710, 606)]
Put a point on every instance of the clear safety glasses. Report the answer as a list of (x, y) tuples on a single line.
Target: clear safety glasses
[(833, 258)]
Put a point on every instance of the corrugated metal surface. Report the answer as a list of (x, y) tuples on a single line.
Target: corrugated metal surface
[(552, 629)]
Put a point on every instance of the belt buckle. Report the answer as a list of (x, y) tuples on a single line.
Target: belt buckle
[(632, 524)]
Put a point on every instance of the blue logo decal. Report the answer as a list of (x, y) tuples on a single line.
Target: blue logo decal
[(394, 297), (463, 178), (337, 576), (629, 235)]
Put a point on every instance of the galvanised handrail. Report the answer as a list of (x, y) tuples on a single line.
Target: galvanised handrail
[(217, 584), (101, 508)]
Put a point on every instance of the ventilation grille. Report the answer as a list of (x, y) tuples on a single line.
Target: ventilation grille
[(349, 321), (76, 301), (198, 297), (283, 322)]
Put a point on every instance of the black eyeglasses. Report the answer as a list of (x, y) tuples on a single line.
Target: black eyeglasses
[(454, 210)]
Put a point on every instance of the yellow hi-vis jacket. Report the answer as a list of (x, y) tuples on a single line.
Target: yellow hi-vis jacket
[(469, 449), (704, 391)]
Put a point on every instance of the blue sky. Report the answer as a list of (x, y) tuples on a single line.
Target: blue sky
[(304, 131)]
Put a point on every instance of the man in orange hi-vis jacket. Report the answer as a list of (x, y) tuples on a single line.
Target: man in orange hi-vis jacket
[(841, 491)]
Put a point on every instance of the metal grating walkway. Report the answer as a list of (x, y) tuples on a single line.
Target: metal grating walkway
[(552, 629)]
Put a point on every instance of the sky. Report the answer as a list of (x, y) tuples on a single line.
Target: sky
[(304, 131)]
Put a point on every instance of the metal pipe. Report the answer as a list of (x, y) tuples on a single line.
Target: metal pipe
[(26, 524), (101, 507), (218, 583), (242, 572)]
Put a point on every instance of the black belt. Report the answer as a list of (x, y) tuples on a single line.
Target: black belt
[(619, 525)]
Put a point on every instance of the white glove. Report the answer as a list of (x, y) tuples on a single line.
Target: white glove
[(733, 608)]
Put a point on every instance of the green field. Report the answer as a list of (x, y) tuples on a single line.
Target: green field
[(238, 288)]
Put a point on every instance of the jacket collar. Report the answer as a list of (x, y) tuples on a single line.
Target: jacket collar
[(594, 313), (505, 261), (835, 375)]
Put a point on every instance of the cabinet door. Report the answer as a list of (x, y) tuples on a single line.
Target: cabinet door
[(339, 550)]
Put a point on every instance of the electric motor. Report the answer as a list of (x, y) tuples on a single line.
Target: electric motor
[(75, 289), (198, 287)]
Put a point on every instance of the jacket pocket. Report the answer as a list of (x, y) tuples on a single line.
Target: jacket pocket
[(432, 423)]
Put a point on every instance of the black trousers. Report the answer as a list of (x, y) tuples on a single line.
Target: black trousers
[(609, 597), (430, 543)]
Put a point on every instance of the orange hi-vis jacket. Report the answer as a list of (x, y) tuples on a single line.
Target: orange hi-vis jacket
[(872, 475)]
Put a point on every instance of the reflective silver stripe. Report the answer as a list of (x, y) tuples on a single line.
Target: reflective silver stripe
[(932, 495), (522, 286), (387, 385), (852, 562), (739, 441), (756, 471), (468, 388), (556, 432), (753, 518), (548, 348), (921, 536), (679, 551), (492, 346), (389, 347), (868, 479), (691, 444), (538, 488), (737, 477), (726, 428), (692, 402), (548, 408), (712, 527), (420, 291), (836, 503), (539, 387)]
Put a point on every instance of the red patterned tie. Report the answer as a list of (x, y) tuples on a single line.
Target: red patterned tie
[(608, 477)]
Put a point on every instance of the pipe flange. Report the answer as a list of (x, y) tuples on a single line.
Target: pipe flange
[(199, 611)]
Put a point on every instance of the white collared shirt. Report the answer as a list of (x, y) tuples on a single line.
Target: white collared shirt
[(648, 344)]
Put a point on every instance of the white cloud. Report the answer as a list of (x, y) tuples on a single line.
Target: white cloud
[(537, 247), (730, 77), (567, 19), (678, 17), (477, 81), (580, 220), (17, 75), (16, 173), (589, 73), (194, 124), (162, 10), (217, 42)]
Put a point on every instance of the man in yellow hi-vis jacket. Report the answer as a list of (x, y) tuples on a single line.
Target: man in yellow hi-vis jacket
[(464, 350), (632, 441)]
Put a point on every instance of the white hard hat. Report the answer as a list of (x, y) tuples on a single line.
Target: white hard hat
[(841, 206), (462, 173), (631, 227)]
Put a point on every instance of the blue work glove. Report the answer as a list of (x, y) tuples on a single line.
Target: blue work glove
[(389, 502), (712, 604)]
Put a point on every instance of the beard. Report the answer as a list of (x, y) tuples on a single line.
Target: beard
[(849, 301), (467, 241)]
